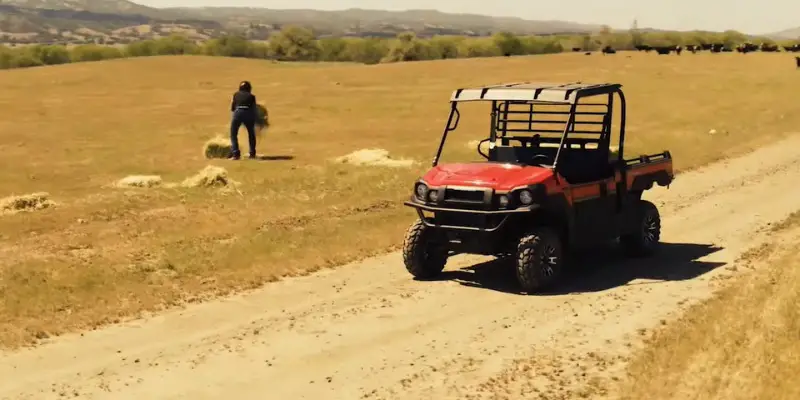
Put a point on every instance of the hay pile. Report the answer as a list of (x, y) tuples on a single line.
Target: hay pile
[(220, 147), (210, 176), (262, 122), (473, 145), (373, 157), (139, 181), (262, 119), (613, 153), (217, 147), (27, 202)]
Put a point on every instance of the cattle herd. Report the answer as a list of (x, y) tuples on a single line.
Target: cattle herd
[(712, 47)]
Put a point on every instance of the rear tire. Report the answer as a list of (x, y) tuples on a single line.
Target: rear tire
[(425, 251), (645, 238), (539, 260)]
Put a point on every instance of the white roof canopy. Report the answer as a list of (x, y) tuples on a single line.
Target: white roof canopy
[(553, 93)]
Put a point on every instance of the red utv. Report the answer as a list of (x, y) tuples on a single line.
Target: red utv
[(551, 183)]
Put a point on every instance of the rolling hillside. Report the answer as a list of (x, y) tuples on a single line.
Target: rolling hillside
[(121, 21), (95, 21), (793, 33), (355, 20), (95, 6)]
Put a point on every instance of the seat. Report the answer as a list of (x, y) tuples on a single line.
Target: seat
[(522, 155), (504, 154), (579, 166), (575, 165)]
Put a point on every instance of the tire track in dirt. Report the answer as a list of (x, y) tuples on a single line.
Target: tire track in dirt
[(369, 331)]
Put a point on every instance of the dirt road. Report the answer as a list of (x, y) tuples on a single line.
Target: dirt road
[(369, 331)]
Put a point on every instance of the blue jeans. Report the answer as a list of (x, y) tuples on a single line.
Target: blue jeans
[(246, 117)]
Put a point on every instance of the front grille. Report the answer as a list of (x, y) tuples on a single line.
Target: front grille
[(461, 219), (467, 220), (464, 196)]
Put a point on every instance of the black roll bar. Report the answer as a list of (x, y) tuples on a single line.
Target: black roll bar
[(453, 113), (623, 118), (455, 117), (570, 122)]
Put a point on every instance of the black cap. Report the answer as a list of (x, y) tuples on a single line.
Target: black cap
[(245, 86)]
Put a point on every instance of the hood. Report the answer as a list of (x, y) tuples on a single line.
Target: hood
[(494, 175)]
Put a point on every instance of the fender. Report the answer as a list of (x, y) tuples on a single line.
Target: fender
[(555, 212), (646, 181)]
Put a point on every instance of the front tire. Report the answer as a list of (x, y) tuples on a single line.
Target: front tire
[(645, 238), (539, 260), (425, 251)]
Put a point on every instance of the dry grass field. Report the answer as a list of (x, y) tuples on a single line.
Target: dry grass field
[(744, 343), (101, 253)]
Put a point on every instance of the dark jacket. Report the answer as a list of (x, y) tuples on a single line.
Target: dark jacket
[(242, 99)]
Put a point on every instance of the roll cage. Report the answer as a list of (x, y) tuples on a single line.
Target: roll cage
[(544, 105)]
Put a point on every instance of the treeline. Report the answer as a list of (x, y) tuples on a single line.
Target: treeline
[(299, 44)]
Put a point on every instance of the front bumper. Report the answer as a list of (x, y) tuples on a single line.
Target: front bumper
[(503, 215)]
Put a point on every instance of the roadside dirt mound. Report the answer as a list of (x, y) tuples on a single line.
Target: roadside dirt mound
[(26, 202), (374, 157), (139, 181)]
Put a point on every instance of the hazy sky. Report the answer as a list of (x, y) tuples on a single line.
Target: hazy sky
[(750, 16)]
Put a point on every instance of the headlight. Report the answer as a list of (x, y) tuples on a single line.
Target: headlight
[(422, 191), (526, 197), (503, 201), (433, 196)]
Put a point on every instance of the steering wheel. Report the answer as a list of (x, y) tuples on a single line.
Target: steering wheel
[(486, 156)]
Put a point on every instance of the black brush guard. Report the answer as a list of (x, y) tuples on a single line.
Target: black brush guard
[(431, 222)]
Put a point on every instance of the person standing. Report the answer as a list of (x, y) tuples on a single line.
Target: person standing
[(243, 109)]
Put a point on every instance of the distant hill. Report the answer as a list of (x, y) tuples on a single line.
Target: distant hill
[(94, 6), (95, 21), (787, 34), (122, 21), (361, 21)]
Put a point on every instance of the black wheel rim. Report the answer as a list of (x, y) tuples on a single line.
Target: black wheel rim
[(427, 255), (549, 260), (650, 230), (432, 252)]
